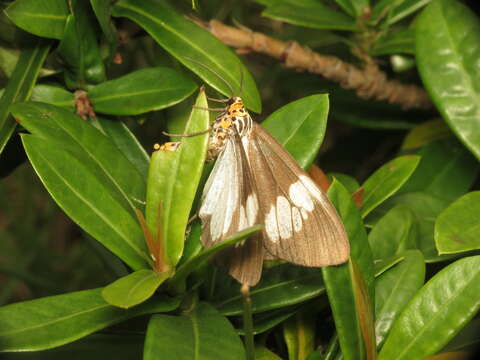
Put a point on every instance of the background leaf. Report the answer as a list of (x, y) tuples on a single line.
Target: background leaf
[(203, 333), (182, 39), (141, 91), (457, 228), (300, 127), (447, 51), (436, 313), (52, 321)]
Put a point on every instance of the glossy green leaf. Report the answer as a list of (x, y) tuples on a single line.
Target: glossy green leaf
[(103, 10), (400, 42), (195, 262), (446, 171), (448, 48), (300, 127), (203, 334), (262, 353), (185, 41), (20, 84), (182, 180), (56, 320), (384, 182), (79, 49), (350, 286), (384, 264), (309, 13), (437, 312), (141, 91), (393, 233), (87, 200), (8, 60), (354, 8), (457, 228), (133, 289), (394, 288), (126, 142), (92, 347), (426, 133), (299, 335), (43, 18), (279, 287), (53, 95), (350, 183), (265, 321), (466, 339)]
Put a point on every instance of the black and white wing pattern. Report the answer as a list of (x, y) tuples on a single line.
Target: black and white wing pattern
[(230, 204), (300, 224)]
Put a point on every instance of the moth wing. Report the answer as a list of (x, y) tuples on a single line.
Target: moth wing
[(301, 224), (230, 205)]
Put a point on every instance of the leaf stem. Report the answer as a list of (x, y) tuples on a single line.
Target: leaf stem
[(248, 322)]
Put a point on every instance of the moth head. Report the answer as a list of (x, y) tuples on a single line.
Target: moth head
[(235, 107)]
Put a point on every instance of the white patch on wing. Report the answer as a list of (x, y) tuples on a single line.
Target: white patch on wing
[(284, 217), (304, 214), (300, 196), (271, 227), (297, 219), (312, 188), (252, 208), (242, 222)]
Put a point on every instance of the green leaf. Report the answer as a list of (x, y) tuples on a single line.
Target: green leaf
[(179, 183), (103, 10), (56, 320), (446, 171), (300, 127), (355, 8), (265, 321), (350, 286), (133, 289), (141, 91), (309, 13), (197, 261), (53, 95), (396, 10), (457, 228), (262, 353), (299, 335), (20, 84), (394, 288), (350, 183), (384, 182), (213, 61), (426, 133), (79, 48), (393, 233), (400, 42), (126, 142), (203, 334), (383, 265), (447, 51), (439, 310), (43, 18), (279, 287)]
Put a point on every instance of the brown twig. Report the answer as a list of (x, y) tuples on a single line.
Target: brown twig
[(369, 82)]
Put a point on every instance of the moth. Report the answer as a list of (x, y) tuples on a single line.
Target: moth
[(256, 181)]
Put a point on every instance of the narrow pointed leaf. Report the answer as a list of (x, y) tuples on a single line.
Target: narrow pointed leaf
[(438, 311), (56, 320), (133, 289), (53, 95), (426, 133), (262, 353), (457, 228), (87, 200), (182, 180), (203, 334), (393, 233), (394, 288), (384, 264), (300, 127), (185, 40), (43, 18), (299, 335), (400, 42), (141, 91), (103, 9), (354, 8), (387, 180), (280, 286), (394, 11), (20, 84), (309, 13), (448, 48), (350, 286)]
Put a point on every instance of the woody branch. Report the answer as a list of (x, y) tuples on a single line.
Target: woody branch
[(369, 81)]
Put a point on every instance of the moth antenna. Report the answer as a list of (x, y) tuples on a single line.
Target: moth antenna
[(217, 100), (213, 72), (241, 81), (186, 135)]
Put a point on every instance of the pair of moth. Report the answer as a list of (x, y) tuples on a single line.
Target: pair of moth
[(256, 181)]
